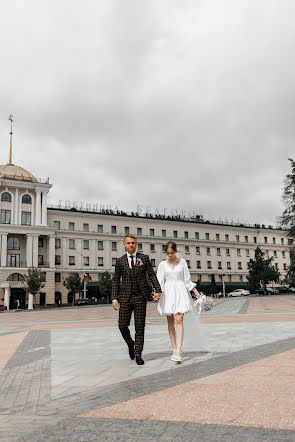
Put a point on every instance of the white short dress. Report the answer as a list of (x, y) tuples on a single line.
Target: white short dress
[(176, 285)]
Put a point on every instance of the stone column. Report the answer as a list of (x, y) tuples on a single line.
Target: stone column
[(44, 208), (51, 251), (29, 251), (16, 204), (7, 297), (31, 302), (4, 250), (107, 256), (79, 254), (92, 254), (35, 250), (38, 207), (64, 253)]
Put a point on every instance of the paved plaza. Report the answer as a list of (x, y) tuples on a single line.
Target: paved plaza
[(65, 375)]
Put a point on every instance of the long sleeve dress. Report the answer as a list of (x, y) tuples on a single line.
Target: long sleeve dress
[(176, 285)]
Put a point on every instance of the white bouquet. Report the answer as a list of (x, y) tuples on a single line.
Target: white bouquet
[(204, 303)]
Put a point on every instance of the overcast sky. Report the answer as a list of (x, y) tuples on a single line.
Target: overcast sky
[(171, 104)]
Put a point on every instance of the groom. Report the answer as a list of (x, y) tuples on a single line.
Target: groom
[(132, 293)]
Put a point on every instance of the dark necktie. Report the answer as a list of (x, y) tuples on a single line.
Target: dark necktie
[(132, 262)]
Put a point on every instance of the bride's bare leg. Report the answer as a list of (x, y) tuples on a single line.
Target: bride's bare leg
[(179, 330), (171, 330)]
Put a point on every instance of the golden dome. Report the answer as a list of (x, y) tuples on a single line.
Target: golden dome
[(12, 172)]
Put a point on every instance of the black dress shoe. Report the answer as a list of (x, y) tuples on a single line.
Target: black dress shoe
[(131, 351), (139, 360)]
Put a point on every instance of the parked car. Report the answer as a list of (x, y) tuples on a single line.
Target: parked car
[(284, 289), (239, 292), (85, 301), (268, 291)]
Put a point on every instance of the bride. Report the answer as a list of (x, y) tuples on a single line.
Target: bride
[(176, 284)]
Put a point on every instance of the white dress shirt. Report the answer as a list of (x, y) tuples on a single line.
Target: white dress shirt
[(129, 259)]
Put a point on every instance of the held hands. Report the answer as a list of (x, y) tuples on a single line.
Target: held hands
[(115, 305), (156, 297)]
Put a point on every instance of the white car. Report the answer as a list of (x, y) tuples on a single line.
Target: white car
[(239, 292)]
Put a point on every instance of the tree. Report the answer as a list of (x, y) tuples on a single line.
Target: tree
[(105, 285), (261, 271), (34, 283), (73, 283), (288, 219), (213, 288)]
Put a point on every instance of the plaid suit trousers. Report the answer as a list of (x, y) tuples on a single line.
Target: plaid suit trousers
[(137, 303)]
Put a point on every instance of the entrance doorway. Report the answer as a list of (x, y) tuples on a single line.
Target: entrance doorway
[(17, 299)]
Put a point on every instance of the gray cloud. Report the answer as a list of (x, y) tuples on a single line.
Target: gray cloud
[(168, 104)]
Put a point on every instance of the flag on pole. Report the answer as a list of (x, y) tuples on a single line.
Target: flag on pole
[(87, 277)]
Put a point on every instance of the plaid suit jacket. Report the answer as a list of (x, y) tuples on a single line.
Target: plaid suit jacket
[(121, 288)]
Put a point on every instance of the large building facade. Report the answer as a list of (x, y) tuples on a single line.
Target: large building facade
[(60, 240)]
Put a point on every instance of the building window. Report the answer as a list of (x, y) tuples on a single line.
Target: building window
[(218, 251), (164, 233), (56, 225), (275, 254), (85, 227), (152, 247), (239, 252), (13, 243), (114, 246), (197, 235), (273, 240), (26, 218), (276, 266), (41, 261), (139, 247), (163, 248), (152, 232), (217, 237), (265, 240), (86, 244), (186, 249), (246, 239), (239, 265), (188, 263), (6, 197), (219, 265), (283, 254), (198, 252), (290, 241), (220, 277), (139, 231), (241, 278), (71, 244), (57, 260), (228, 265), (114, 260), (27, 199), (100, 245), (285, 266), (208, 251), (282, 241), (57, 277), (227, 251), (13, 260), (247, 252), (126, 230), (71, 260), (100, 261), (209, 266), (40, 242), (226, 237), (186, 235), (43, 276), (237, 238), (114, 230), (86, 260), (207, 236), (153, 262), (255, 239), (42, 298), (57, 243), (198, 264), (71, 226), (175, 234), (100, 228)]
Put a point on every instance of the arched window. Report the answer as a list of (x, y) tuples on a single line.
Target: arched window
[(27, 199), (13, 243), (6, 196), (15, 277)]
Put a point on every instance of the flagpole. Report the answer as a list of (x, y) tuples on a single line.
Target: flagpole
[(84, 289)]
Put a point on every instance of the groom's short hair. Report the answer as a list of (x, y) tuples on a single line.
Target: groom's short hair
[(130, 235)]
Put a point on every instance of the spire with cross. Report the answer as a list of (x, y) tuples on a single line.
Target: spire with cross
[(10, 118)]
